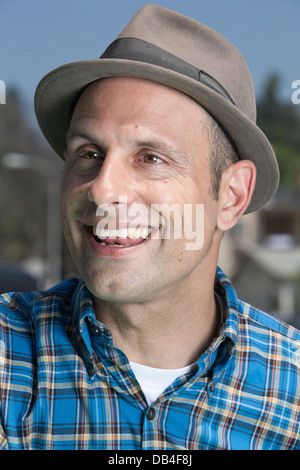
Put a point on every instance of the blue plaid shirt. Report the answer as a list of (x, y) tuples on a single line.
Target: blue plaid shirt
[(63, 384)]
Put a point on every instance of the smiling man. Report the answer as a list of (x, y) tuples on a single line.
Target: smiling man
[(151, 349), (137, 142)]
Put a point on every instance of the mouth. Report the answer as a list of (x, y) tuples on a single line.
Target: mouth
[(121, 238)]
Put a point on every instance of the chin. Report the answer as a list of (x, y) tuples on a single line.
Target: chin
[(110, 290)]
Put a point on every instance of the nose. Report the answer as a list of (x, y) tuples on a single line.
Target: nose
[(112, 182)]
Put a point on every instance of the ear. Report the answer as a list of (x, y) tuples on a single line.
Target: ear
[(236, 189)]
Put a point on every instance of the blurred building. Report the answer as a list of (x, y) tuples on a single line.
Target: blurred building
[(261, 255)]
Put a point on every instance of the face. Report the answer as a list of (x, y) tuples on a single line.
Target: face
[(135, 144)]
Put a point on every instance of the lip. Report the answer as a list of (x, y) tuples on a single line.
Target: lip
[(114, 251)]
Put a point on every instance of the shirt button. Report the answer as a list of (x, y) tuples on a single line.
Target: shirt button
[(96, 331), (150, 414), (91, 370)]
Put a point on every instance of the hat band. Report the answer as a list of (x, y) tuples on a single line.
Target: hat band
[(142, 51)]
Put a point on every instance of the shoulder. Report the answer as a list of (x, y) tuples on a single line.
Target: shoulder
[(250, 321), (261, 339), (17, 309), (264, 322), (23, 317), (267, 336)]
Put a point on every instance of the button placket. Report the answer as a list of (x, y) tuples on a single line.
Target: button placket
[(210, 387)]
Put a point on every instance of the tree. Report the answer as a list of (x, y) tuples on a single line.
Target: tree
[(22, 192), (281, 123)]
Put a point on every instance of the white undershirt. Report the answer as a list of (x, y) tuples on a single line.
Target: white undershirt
[(154, 381)]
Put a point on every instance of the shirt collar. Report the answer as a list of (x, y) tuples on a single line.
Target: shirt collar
[(84, 319), (224, 289), (218, 355), (83, 316)]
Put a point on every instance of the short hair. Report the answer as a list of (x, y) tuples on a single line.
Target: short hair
[(222, 152)]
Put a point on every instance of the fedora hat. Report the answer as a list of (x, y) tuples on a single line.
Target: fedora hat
[(166, 47)]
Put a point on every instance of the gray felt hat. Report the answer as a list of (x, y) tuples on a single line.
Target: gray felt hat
[(169, 48)]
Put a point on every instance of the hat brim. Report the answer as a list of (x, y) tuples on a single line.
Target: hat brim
[(57, 91)]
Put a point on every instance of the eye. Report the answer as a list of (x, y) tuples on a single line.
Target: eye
[(151, 159), (89, 155)]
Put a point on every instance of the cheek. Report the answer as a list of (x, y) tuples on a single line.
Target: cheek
[(70, 203), (66, 202), (64, 197), (67, 206), (72, 192)]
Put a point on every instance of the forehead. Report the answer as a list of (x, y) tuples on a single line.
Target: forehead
[(133, 105), (129, 92)]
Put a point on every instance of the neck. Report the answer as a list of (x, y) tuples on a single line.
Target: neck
[(166, 334)]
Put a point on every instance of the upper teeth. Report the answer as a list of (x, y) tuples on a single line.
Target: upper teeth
[(121, 233)]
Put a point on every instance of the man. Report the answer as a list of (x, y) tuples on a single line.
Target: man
[(151, 349)]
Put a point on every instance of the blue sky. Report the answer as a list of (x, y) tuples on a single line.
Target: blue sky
[(38, 35)]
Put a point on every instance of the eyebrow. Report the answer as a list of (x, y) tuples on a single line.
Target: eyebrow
[(77, 134), (160, 145)]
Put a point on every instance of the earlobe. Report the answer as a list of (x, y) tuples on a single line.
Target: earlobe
[(236, 190)]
